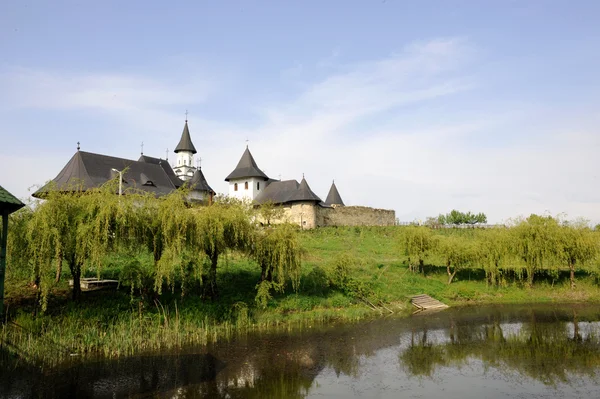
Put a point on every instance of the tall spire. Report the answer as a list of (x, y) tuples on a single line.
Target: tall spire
[(185, 144)]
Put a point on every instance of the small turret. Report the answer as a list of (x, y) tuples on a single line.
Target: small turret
[(334, 198)]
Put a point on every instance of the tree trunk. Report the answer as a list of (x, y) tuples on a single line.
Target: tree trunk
[(530, 277), (451, 274), (210, 280), (572, 269), (421, 266), (157, 248), (59, 267), (451, 277), (266, 273), (76, 274)]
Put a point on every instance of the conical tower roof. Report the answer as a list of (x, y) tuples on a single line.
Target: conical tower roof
[(185, 144), (304, 193), (199, 183), (246, 168), (334, 198)]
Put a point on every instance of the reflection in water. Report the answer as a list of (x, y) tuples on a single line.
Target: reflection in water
[(548, 347), (531, 351)]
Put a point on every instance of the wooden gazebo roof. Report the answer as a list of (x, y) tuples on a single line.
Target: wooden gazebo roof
[(8, 202)]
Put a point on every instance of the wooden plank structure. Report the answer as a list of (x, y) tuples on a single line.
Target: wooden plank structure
[(93, 283), (425, 302)]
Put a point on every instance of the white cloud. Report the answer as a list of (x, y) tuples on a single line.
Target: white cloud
[(352, 126)]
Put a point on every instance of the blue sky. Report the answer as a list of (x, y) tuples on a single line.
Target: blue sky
[(420, 107)]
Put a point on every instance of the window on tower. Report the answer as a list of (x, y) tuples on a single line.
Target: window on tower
[(257, 185), (246, 186), (235, 187)]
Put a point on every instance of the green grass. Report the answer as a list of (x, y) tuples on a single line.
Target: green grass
[(348, 274)]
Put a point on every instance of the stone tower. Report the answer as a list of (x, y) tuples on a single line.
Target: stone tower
[(247, 180)]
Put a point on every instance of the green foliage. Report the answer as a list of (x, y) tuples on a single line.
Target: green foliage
[(578, 247), (278, 253), (418, 241), (341, 278), (269, 212), (457, 217), (496, 256), (458, 253), (536, 242)]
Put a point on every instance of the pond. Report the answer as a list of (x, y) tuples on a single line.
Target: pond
[(541, 351)]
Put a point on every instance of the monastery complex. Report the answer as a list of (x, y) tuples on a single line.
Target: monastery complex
[(296, 202)]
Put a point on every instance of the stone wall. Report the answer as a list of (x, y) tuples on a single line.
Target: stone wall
[(308, 215), (301, 213), (355, 216)]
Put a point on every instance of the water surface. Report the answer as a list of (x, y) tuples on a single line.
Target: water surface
[(479, 352)]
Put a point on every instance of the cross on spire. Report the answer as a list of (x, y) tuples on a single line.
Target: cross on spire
[(199, 162), (186, 114), (78, 146), (167, 156), (247, 142), (142, 152)]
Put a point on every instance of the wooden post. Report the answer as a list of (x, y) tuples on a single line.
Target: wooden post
[(3, 243)]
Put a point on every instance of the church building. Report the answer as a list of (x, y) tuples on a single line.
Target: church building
[(247, 182), (87, 170)]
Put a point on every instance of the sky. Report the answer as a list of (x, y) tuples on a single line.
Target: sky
[(420, 107)]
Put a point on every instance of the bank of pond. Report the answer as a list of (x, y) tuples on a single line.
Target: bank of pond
[(191, 275), (484, 351)]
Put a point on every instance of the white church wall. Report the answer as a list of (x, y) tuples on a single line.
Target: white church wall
[(255, 187)]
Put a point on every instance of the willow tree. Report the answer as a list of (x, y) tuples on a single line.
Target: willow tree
[(495, 253), (220, 227), (458, 253), (77, 228), (418, 241), (18, 250), (278, 252), (173, 237), (578, 246), (535, 241)]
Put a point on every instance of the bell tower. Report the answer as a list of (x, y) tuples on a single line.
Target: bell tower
[(185, 150)]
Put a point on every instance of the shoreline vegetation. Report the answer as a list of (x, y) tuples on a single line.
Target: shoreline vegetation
[(190, 275)]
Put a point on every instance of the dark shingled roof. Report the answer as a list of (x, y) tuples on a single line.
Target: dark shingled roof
[(246, 168), (334, 198), (88, 170), (281, 192), (199, 183), (185, 144), (9, 202), (277, 192), (177, 182), (304, 193)]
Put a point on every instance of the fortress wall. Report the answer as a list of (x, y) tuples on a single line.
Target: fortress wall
[(356, 216)]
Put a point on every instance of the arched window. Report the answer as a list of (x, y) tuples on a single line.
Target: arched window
[(257, 185), (235, 187), (246, 186)]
